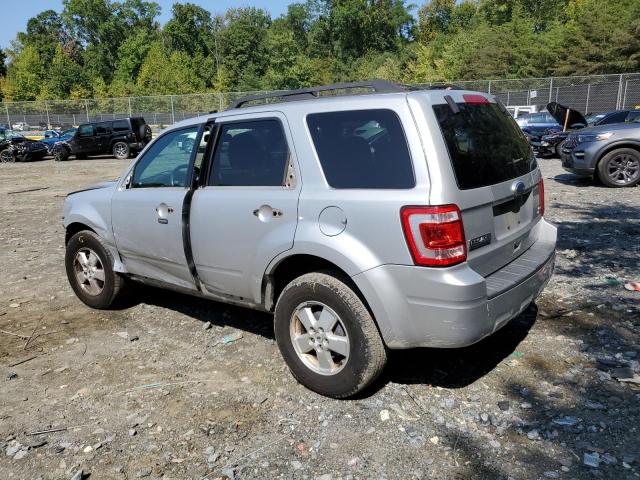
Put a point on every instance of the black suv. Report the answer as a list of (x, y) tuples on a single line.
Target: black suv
[(120, 137)]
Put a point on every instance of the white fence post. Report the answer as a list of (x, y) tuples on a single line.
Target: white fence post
[(6, 107), (129, 106), (86, 107), (550, 89), (46, 107), (619, 99), (173, 115)]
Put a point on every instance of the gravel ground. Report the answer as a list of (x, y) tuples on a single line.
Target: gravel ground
[(153, 390)]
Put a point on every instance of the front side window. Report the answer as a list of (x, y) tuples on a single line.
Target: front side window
[(252, 153), (166, 162), (362, 149), (85, 130)]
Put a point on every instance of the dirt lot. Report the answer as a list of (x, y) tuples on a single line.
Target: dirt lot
[(151, 391)]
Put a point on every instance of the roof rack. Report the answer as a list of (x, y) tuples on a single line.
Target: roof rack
[(378, 86)]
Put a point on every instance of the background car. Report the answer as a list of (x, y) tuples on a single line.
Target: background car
[(121, 138), (552, 143), (535, 126), (51, 137), (20, 126), (611, 153), (14, 147)]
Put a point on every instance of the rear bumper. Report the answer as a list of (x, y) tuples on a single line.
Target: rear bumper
[(455, 307)]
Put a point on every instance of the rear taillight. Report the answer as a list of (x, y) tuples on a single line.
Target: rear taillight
[(541, 197), (435, 235)]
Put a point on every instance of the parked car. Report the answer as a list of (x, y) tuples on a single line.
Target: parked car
[(401, 219), (20, 126), (14, 147), (535, 126), (609, 152), (551, 144), (51, 137), (121, 138)]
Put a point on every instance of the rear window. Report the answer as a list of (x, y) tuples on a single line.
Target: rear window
[(362, 149), (120, 125), (486, 146)]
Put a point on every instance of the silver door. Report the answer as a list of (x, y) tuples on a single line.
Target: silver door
[(147, 211), (248, 210)]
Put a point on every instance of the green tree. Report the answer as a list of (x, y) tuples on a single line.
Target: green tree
[(61, 76), (3, 63), (243, 46), (190, 29), (24, 75)]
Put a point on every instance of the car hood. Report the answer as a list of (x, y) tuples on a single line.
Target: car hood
[(96, 186), (612, 127), (559, 112)]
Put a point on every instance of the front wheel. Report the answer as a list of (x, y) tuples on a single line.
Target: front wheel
[(6, 156), (620, 168), (90, 272), (327, 336), (121, 150), (60, 154)]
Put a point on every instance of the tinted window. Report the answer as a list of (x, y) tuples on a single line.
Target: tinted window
[(120, 126), (362, 149), (85, 130), (102, 128), (485, 145), (634, 116), (250, 154), (166, 162), (616, 117)]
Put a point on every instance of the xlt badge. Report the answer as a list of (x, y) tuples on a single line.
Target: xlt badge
[(480, 241)]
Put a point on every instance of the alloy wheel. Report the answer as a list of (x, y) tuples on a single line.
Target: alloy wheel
[(319, 338), (89, 271), (623, 169)]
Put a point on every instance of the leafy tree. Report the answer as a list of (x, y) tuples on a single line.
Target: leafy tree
[(190, 29), (24, 75), (243, 46), (61, 76)]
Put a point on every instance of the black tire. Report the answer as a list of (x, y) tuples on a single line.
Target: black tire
[(367, 354), (6, 156), (112, 283), (61, 154), (145, 133), (559, 149), (620, 168), (121, 150)]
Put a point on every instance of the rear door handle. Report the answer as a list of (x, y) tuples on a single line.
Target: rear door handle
[(266, 213)]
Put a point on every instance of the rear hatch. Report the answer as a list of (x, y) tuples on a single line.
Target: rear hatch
[(482, 163)]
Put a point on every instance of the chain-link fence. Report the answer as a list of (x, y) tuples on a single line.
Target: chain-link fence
[(588, 94)]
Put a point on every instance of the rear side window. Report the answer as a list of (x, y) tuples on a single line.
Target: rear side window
[(250, 154), (616, 117), (486, 145), (102, 128), (362, 149), (120, 125)]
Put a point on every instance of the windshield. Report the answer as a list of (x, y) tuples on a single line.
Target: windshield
[(9, 134), (485, 144), (68, 133), (591, 119)]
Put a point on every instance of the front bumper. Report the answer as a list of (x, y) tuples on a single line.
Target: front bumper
[(455, 307), (580, 159)]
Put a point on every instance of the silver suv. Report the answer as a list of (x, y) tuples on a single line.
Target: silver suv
[(387, 218)]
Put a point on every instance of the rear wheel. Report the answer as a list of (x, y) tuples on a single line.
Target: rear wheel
[(90, 272), (327, 336), (620, 168), (121, 150)]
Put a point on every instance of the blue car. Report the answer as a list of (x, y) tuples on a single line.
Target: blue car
[(51, 137)]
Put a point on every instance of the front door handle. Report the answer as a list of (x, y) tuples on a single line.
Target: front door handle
[(163, 210)]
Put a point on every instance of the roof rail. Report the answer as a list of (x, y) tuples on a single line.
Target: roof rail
[(378, 86)]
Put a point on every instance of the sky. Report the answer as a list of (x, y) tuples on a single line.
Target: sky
[(14, 19)]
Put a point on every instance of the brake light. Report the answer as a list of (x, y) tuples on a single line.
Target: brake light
[(541, 197), (473, 98), (435, 235)]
